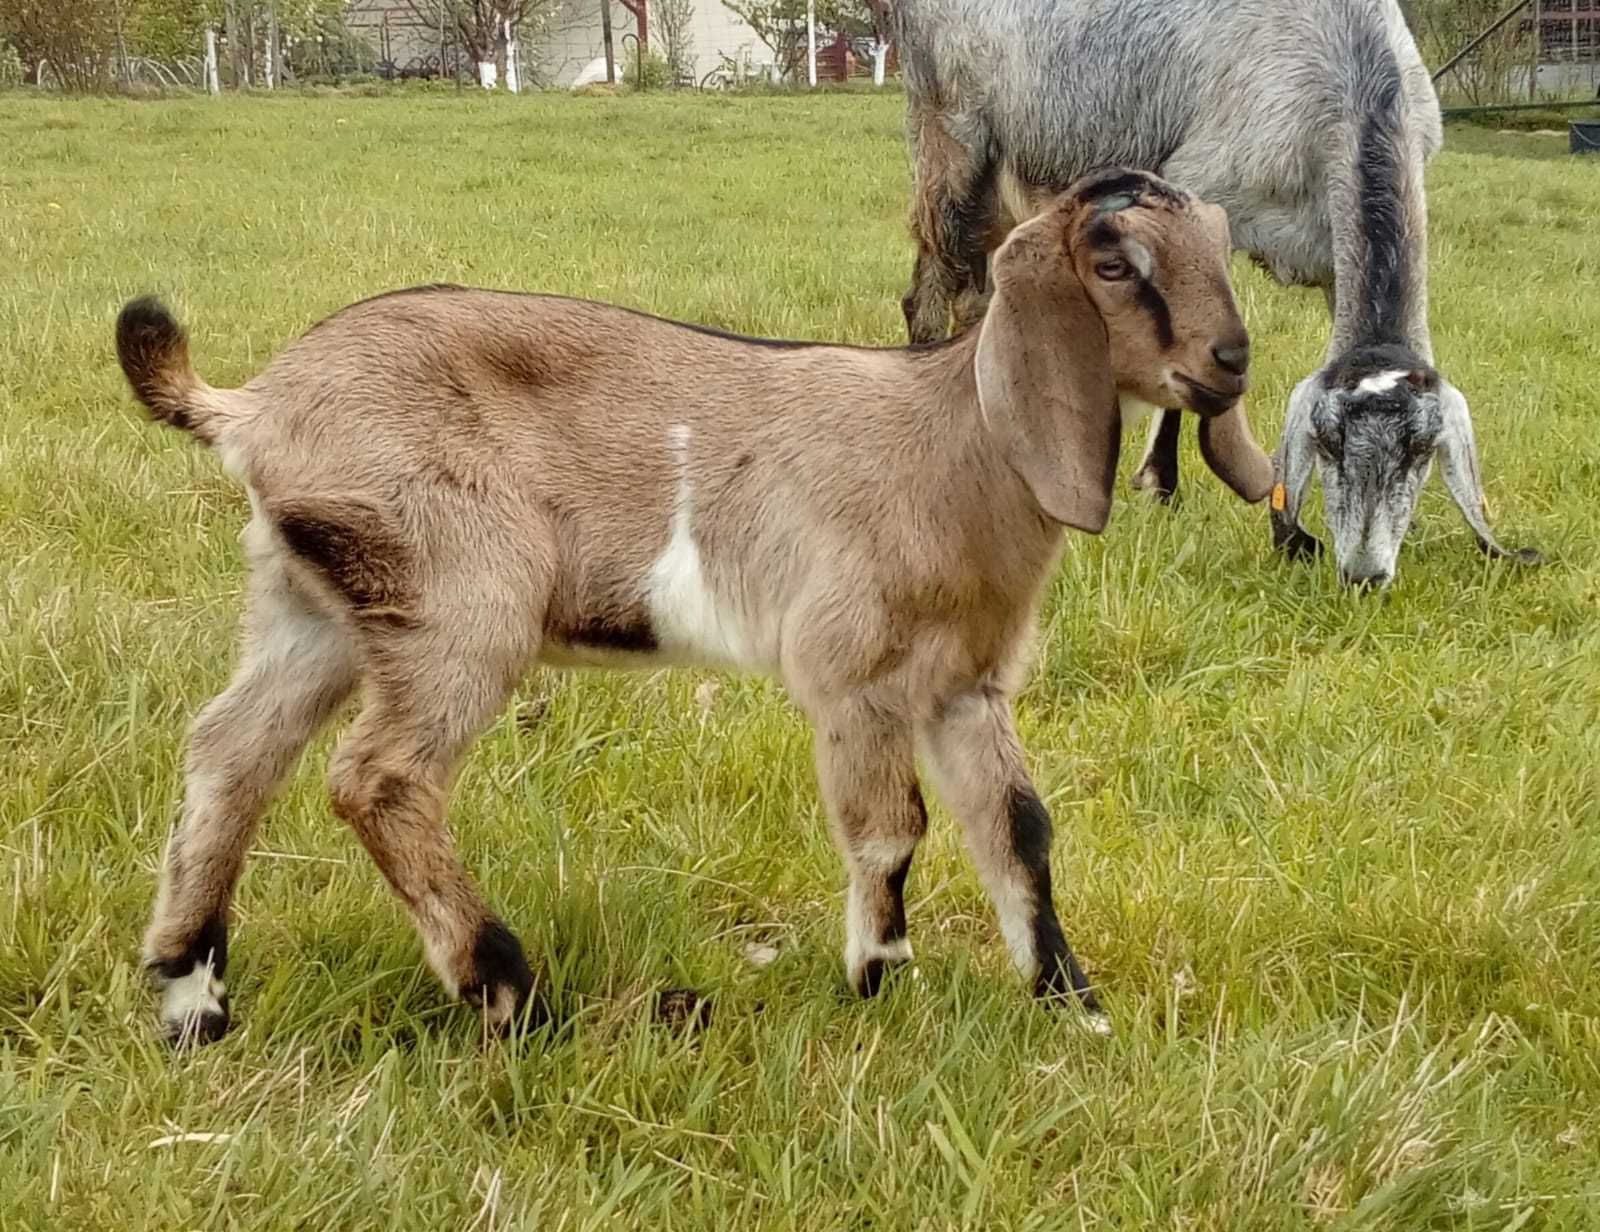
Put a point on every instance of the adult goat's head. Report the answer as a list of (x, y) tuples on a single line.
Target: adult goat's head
[(1373, 422), (1119, 287)]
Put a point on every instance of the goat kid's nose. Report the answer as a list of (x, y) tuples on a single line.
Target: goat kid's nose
[(1234, 357)]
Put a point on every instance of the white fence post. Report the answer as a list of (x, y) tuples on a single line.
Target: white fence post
[(213, 85), (880, 57), (811, 41)]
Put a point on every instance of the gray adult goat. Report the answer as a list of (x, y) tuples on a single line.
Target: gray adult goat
[(1309, 123)]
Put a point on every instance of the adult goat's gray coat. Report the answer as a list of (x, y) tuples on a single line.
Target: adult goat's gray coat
[(1310, 123)]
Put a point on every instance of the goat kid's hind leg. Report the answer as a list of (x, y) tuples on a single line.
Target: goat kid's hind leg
[(975, 760), (297, 666), (867, 771), (432, 689)]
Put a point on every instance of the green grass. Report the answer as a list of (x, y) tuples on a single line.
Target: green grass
[(1335, 861)]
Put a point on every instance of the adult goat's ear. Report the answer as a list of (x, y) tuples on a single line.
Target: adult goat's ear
[(1458, 463), (1044, 375), (1231, 451), (1292, 468)]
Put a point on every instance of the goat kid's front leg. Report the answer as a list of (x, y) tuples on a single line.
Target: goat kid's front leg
[(867, 772), (975, 760)]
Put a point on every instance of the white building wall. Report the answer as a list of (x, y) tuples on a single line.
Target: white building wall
[(577, 40)]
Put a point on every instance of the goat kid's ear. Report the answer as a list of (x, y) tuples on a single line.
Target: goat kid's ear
[(1043, 370), (1230, 450), (1216, 219)]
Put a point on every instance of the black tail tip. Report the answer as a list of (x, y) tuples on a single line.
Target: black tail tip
[(146, 328), (154, 353)]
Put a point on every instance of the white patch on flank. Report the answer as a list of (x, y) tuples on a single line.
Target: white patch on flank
[(1381, 382), (191, 997), (1139, 255), (1135, 408), (688, 620)]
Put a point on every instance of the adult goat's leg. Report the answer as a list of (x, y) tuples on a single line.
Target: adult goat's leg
[(952, 214), (1158, 472), (297, 666), (975, 759)]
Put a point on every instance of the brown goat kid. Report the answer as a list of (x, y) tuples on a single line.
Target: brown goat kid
[(450, 485)]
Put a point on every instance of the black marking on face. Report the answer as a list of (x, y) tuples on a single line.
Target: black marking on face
[(1153, 302), (1103, 234), (209, 944), (1120, 181)]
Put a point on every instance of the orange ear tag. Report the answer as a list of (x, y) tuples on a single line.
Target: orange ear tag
[(1280, 498)]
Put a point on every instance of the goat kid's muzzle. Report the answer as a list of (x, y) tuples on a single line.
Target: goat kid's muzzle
[(1209, 400)]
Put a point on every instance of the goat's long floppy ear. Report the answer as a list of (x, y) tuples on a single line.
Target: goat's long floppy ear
[(1231, 451), (1226, 442), (1292, 467), (1458, 464), (1044, 376)]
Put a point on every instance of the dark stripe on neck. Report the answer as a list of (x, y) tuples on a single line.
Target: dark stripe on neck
[(1380, 177)]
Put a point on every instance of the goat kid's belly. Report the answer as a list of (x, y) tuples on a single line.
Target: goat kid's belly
[(675, 615)]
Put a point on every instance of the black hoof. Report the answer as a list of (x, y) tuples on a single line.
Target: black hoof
[(502, 985), (1517, 556), (1163, 488), (874, 973), (1061, 981), (203, 1027), (683, 1009)]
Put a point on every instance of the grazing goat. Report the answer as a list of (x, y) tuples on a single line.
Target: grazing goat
[(1309, 123), (445, 489)]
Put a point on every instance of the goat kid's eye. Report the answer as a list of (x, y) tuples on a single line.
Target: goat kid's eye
[(1114, 271)]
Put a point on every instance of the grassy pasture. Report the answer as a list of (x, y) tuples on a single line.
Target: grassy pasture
[(1335, 861)]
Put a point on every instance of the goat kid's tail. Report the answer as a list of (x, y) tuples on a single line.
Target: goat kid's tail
[(154, 352)]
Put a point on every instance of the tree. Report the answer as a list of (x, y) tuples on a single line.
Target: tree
[(1443, 27), (781, 24), (674, 22), (480, 25), (76, 39)]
